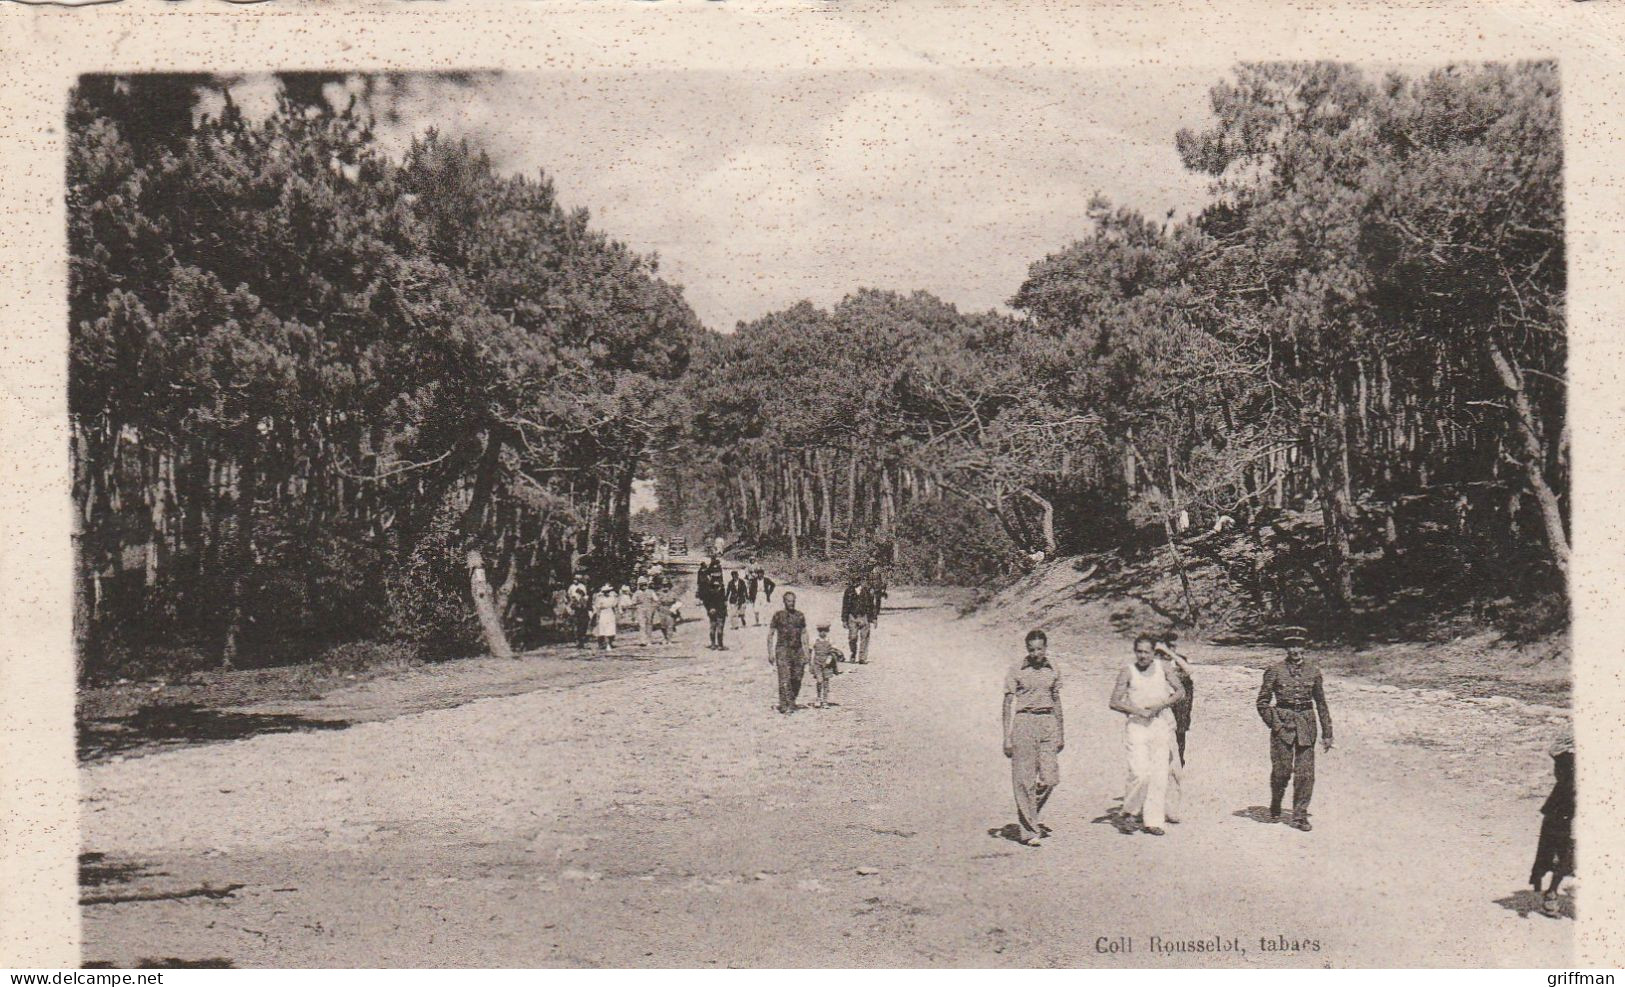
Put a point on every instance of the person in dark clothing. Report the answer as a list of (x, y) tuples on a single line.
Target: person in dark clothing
[(753, 592), (580, 609), (787, 651), (877, 593), (1554, 854), (713, 595), (1291, 698), (857, 616), (1182, 708), (738, 596)]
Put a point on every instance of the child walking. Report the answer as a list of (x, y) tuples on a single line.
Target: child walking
[(824, 657)]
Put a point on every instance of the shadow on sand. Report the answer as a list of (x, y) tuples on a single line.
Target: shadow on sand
[(621, 653), (186, 723), (1009, 831), (1527, 902), (1258, 814), (96, 871), (1261, 814), (104, 882), (1116, 818)]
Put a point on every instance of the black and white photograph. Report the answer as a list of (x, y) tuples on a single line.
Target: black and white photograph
[(927, 515)]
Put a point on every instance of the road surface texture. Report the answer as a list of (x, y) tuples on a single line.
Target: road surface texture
[(662, 815)]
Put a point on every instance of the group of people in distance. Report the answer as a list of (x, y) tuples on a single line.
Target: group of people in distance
[(598, 616), (789, 648), (1155, 693), (792, 653), (719, 594)]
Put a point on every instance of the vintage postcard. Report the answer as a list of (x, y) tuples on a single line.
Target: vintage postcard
[(811, 485)]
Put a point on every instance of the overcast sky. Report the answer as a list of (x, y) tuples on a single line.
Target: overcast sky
[(760, 189)]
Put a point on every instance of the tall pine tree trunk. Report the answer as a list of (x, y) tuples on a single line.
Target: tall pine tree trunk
[(792, 511), (828, 518), (621, 528), (852, 495), (242, 554), (1046, 520), (1184, 577), (485, 607), (745, 506), (1531, 457), (1332, 480)]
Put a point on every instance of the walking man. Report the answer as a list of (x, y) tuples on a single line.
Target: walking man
[(857, 616), (753, 590), (714, 597), (1183, 708), (787, 651), (877, 593), (738, 595), (1146, 693), (1034, 733), (1292, 696)]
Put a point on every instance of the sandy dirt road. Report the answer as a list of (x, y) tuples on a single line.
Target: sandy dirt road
[(667, 817)]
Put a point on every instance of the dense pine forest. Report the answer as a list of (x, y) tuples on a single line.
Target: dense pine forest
[(1351, 363), (321, 393)]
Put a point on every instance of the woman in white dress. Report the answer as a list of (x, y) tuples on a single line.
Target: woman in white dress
[(1146, 693), (606, 616)]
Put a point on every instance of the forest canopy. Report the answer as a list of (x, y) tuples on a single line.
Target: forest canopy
[(1354, 354), (323, 393), (320, 393)]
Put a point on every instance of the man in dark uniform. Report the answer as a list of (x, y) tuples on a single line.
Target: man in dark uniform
[(787, 651), (713, 594), (1292, 696)]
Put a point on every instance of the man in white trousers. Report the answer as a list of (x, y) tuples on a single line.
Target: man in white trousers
[(1145, 694)]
